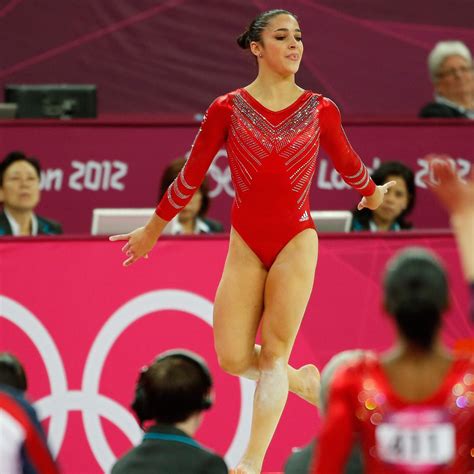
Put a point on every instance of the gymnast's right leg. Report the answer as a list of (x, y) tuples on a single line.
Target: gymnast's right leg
[(238, 310)]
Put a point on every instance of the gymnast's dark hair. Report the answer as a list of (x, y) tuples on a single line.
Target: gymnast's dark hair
[(176, 385), (416, 294), (254, 30), (12, 372)]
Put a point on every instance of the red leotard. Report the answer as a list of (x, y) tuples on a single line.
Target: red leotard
[(396, 436), (272, 158)]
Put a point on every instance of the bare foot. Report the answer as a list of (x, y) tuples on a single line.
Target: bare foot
[(311, 382), (245, 468)]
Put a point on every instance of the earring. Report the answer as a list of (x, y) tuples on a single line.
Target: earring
[(260, 55)]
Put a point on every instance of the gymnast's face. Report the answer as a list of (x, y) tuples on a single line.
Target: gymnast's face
[(281, 46), (20, 190)]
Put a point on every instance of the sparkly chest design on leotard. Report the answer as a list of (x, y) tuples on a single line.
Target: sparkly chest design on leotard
[(293, 139), (421, 434), (373, 405)]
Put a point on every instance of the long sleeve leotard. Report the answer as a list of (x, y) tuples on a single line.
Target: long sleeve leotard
[(272, 158), (435, 435)]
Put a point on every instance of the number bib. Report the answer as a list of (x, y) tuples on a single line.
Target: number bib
[(416, 439)]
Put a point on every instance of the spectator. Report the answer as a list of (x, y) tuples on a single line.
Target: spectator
[(299, 461), (412, 407), (451, 71), (20, 194), (172, 392), (23, 447), (398, 203), (192, 219)]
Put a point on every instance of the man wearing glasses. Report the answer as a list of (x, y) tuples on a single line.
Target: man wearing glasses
[(451, 70)]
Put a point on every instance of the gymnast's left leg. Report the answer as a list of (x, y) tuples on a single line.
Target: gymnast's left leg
[(287, 290)]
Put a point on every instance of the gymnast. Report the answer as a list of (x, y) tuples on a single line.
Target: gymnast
[(272, 130)]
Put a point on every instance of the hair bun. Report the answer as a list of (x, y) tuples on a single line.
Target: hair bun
[(244, 40)]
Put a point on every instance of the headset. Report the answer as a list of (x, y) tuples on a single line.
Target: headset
[(178, 406), (12, 372)]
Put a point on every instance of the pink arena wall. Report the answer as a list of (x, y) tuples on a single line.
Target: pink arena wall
[(83, 326), (175, 56)]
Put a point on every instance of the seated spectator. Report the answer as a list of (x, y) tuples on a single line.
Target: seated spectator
[(23, 447), (299, 461), (172, 393), (412, 407), (451, 71), (192, 219), (20, 193), (398, 202)]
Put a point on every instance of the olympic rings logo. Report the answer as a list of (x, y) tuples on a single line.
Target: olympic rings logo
[(88, 400), (221, 176)]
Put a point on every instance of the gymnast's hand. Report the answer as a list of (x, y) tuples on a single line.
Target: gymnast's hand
[(141, 240), (455, 194), (374, 200)]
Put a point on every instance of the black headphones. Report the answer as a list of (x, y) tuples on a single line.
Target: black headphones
[(13, 372), (145, 402)]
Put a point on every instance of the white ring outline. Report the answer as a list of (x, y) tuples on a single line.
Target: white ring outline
[(127, 314), (89, 401), (222, 178), (51, 357)]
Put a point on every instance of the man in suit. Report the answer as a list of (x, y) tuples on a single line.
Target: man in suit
[(20, 194), (173, 393), (451, 71)]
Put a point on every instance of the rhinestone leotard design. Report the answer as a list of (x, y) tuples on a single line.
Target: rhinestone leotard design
[(272, 158)]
